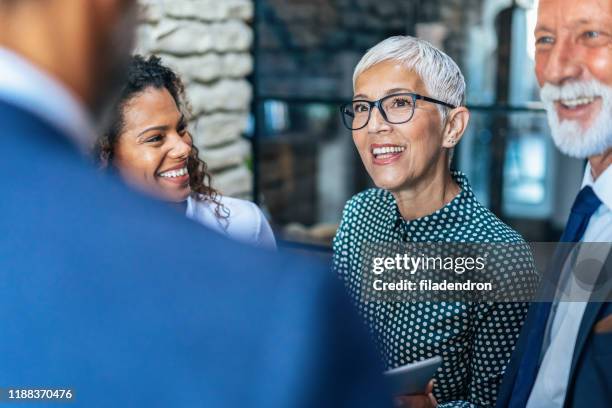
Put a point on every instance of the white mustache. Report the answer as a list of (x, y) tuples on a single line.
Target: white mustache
[(570, 136), (572, 90)]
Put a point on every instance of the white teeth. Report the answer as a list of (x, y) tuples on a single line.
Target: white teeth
[(174, 173), (572, 103), (387, 150)]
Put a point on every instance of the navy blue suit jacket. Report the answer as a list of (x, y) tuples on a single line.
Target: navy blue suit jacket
[(590, 379), (132, 305)]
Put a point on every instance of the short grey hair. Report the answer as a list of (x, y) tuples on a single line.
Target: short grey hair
[(440, 74)]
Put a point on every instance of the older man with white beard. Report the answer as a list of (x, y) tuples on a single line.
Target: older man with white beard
[(564, 355)]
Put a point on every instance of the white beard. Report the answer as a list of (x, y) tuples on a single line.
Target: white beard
[(569, 136)]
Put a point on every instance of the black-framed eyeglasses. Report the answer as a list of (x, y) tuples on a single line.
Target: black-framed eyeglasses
[(396, 108)]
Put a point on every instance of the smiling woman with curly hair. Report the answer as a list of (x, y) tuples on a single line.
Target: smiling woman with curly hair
[(148, 143)]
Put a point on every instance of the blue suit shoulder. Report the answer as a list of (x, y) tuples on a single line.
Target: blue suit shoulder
[(133, 305)]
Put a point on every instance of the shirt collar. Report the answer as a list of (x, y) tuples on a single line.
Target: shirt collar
[(602, 186), (29, 88)]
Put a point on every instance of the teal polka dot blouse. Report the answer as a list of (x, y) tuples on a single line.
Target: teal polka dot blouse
[(475, 340)]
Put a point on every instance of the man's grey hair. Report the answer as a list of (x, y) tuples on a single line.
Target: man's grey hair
[(440, 74)]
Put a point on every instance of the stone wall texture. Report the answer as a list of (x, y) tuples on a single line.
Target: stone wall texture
[(208, 42)]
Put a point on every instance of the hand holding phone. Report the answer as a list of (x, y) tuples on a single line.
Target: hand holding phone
[(413, 378)]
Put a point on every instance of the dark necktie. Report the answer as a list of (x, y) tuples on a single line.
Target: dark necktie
[(585, 205)]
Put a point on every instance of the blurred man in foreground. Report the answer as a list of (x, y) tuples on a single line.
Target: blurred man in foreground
[(108, 294), (563, 356)]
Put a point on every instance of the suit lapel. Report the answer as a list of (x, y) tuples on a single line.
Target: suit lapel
[(592, 312)]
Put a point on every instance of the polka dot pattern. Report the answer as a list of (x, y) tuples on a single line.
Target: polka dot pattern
[(475, 340)]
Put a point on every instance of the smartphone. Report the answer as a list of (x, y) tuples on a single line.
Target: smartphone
[(412, 378)]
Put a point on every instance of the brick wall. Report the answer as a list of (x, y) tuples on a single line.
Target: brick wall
[(208, 43)]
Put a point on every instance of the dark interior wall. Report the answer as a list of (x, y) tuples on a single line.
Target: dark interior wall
[(309, 47)]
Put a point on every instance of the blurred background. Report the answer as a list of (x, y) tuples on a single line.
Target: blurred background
[(266, 77)]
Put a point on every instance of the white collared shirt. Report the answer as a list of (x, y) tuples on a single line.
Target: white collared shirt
[(246, 223), (26, 86), (550, 387)]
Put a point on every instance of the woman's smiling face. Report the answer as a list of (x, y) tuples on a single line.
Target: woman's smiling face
[(154, 145), (396, 156)]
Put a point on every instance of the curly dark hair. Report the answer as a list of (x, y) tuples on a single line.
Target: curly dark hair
[(145, 73)]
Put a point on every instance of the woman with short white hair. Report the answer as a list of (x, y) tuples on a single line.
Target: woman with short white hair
[(406, 116)]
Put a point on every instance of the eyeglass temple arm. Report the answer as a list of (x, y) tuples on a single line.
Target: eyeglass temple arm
[(428, 99)]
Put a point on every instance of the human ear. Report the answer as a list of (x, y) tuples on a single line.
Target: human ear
[(456, 124)]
